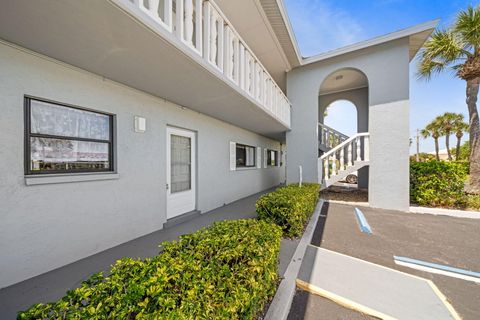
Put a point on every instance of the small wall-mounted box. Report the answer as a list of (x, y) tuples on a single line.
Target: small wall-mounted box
[(140, 124)]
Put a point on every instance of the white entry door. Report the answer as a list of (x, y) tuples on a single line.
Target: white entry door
[(181, 195)]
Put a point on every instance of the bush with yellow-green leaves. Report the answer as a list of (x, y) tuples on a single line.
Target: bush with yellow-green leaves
[(226, 271), (289, 207)]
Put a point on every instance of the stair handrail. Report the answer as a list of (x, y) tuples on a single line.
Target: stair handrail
[(343, 144), (342, 135)]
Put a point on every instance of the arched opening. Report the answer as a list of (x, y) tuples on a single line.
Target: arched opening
[(343, 113)]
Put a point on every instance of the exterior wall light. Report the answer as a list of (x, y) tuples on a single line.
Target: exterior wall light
[(140, 124)]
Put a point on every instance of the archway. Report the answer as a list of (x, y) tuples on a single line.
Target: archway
[(343, 111), (341, 115)]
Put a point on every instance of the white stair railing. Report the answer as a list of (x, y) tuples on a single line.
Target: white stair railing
[(329, 138), (204, 29), (336, 162)]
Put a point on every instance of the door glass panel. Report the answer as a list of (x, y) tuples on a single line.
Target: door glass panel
[(180, 163)]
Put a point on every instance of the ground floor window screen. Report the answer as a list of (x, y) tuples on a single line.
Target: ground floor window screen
[(272, 158), (181, 166), (245, 156), (63, 139)]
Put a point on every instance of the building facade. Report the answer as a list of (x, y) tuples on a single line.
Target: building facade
[(121, 115)]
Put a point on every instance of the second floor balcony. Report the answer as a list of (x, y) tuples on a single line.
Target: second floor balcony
[(185, 51)]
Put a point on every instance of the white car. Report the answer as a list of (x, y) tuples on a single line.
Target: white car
[(352, 178)]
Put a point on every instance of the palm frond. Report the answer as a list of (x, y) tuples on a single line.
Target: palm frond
[(442, 50), (427, 68), (425, 133), (468, 26), (445, 45)]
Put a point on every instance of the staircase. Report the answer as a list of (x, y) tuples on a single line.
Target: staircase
[(343, 159), (329, 138)]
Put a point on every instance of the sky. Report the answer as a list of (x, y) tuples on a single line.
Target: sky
[(324, 25)]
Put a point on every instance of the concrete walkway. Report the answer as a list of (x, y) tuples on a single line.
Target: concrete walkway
[(372, 289), (53, 285)]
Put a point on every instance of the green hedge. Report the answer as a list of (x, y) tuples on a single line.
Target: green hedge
[(289, 207), (227, 271), (438, 183)]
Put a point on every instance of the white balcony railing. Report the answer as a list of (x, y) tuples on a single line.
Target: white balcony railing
[(204, 29)]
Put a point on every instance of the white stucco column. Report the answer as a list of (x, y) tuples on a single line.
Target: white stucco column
[(389, 127), (389, 156)]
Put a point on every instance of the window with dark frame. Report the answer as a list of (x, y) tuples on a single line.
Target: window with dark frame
[(272, 158), (61, 138), (245, 156)]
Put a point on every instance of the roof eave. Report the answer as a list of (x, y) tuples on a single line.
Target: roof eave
[(278, 18), (417, 36)]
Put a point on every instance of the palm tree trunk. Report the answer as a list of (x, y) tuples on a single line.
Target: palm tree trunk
[(447, 144), (457, 150), (436, 149), (473, 185)]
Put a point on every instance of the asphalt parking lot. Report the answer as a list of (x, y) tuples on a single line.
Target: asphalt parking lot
[(439, 239)]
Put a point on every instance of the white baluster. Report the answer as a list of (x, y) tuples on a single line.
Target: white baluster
[(153, 7), (198, 25), (342, 159), (366, 148), (228, 52), (247, 71), (257, 81), (242, 66), (334, 164), (213, 39), (325, 168), (359, 150), (349, 163), (188, 21), (231, 56), (236, 60)]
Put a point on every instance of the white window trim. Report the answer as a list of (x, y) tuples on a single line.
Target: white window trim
[(259, 158), (233, 157), (265, 158)]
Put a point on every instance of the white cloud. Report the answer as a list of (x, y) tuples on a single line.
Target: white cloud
[(321, 27)]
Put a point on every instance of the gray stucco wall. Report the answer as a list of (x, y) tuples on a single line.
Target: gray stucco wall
[(46, 226), (387, 69)]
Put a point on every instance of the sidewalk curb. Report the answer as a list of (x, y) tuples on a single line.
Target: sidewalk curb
[(280, 306), (349, 203), (446, 212), (421, 210)]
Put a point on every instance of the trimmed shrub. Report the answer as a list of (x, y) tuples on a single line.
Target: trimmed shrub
[(227, 271), (472, 202), (289, 207), (438, 183)]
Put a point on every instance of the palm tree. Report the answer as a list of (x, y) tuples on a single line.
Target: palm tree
[(458, 48), (459, 127), (433, 129), (446, 122)]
